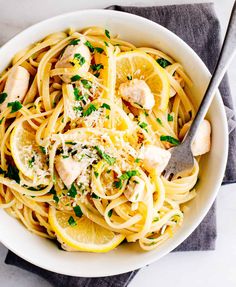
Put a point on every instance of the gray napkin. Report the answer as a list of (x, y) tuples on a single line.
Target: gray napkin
[(198, 26)]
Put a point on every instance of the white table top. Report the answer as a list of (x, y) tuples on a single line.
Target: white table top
[(211, 268)]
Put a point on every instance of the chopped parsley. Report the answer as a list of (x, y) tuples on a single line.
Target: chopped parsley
[(97, 67), (71, 143), (87, 84), (77, 109), (163, 62), (74, 42), (143, 125), (106, 44), (13, 173), (75, 78), (95, 196), (137, 160), (72, 191), (15, 106), (90, 46), (110, 160), (79, 58), (65, 156), (97, 74), (1, 120), (2, 97), (96, 174), (159, 121), (155, 219), (71, 221), (107, 33), (169, 139), (31, 161), (110, 213), (138, 105), (99, 50), (129, 77), (170, 118), (105, 106), (91, 108), (43, 149), (125, 176), (78, 211), (55, 197)]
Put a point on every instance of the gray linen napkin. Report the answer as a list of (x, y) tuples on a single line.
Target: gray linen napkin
[(198, 26)]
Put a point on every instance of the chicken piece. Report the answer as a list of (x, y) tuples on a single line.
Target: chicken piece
[(68, 169), (154, 157), (135, 189), (77, 56), (202, 141), (16, 86), (138, 94)]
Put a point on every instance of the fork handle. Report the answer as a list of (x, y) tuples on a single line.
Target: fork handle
[(226, 55)]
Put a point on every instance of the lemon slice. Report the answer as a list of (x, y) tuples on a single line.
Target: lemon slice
[(83, 234), (139, 65), (27, 155)]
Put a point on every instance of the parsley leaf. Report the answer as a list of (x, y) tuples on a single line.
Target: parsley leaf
[(99, 50), (110, 212), (78, 211), (170, 118), (97, 67), (137, 160), (1, 120), (125, 176), (31, 161), (163, 62), (110, 160), (107, 33), (159, 121), (2, 97), (91, 108), (106, 44), (79, 58), (87, 84), (15, 106), (96, 174), (71, 143), (71, 221), (143, 125), (129, 77), (43, 149), (90, 46), (95, 196), (75, 78), (72, 191), (74, 42), (169, 139), (105, 106), (13, 173)]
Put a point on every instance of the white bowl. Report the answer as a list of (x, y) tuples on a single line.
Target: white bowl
[(126, 257)]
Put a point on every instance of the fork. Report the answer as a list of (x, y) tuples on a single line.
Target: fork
[(181, 156)]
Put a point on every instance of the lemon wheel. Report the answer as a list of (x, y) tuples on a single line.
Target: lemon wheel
[(139, 65), (82, 234)]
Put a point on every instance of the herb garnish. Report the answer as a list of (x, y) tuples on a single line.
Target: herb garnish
[(78, 211), (169, 139), (71, 221), (87, 84), (2, 97), (99, 50), (170, 118), (96, 174), (91, 108), (143, 125), (110, 212), (95, 196), (75, 78), (15, 106), (31, 161), (79, 58), (90, 46), (107, 33), (43, 149), (74, 42), (105, 106), (125, 176), (159, 121), (163, 62), (72, 191), (110, 160), (13, 173), (129, 77), (97, 67)]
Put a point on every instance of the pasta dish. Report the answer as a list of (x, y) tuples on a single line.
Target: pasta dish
[(86, 124)]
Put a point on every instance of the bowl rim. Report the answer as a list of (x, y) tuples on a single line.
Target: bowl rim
[(197, 221)]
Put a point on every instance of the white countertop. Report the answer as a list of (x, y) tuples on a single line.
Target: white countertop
[(211, 268)]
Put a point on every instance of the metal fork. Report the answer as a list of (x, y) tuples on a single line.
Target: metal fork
[(181, 156)]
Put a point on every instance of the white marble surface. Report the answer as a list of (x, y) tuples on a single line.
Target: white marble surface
[(212, 268)]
